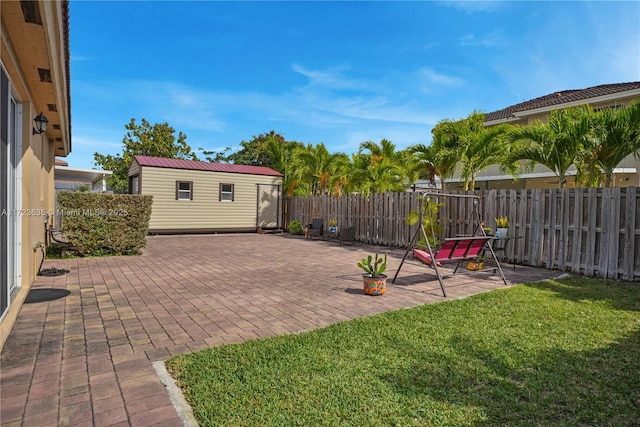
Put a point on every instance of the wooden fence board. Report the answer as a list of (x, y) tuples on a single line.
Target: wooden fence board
[(602, 260), (628, 266), (614, 234), (550, 240), (521, 219), (563, 232), (591, 238), (536, 225), (576, 245)]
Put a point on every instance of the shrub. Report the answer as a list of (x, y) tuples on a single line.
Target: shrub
[(295, 227), (99, 224)]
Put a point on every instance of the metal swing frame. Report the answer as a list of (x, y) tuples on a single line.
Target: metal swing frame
[(452, 257)]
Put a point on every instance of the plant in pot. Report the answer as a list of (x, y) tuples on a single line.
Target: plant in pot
[(487, 230), (502, 226), (477, 264), (333, 225), (375, 283)]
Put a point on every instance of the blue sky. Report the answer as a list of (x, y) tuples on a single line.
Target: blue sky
[(334, 72)]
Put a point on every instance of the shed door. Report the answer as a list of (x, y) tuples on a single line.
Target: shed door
[(268, 206)]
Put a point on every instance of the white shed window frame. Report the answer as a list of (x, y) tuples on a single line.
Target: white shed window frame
[(224, 195), (180, 193)]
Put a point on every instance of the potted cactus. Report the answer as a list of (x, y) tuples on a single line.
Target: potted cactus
[(375, 283)]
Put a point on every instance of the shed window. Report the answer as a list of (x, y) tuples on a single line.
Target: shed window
[(226, 192), (184, 190)]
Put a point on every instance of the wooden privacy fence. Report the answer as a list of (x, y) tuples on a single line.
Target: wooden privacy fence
[(593, 231)]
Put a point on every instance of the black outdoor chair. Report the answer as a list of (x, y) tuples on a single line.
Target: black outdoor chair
[(315, 228), (347, 234)]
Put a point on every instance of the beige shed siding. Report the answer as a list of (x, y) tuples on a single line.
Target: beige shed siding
[(205, 211), (134, 169)]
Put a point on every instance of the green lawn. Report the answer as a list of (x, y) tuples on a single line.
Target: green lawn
[(564, 352)]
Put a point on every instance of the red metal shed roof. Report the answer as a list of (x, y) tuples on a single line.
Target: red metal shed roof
[(562, 97), (160, 162)]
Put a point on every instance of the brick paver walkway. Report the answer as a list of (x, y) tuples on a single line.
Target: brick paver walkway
[(85, 359)]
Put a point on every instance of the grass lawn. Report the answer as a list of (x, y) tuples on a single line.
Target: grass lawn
[(562, 352)]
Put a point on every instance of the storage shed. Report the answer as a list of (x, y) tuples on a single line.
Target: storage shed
[(203, 197)]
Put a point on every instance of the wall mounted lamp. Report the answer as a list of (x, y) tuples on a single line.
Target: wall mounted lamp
[(41, 124)]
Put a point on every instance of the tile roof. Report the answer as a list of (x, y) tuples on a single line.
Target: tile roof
[(562, 97), (160, 162)]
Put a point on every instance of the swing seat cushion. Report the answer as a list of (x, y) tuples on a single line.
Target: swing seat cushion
[(423, 256)]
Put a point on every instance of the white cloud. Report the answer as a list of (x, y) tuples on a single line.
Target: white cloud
[(94, 142), (342, 110), (428, 77), (492, 39), (331, 78), (472, 6), (430, 81)]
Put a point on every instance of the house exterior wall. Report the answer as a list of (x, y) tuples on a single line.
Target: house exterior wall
[(541, 176), (25, 47), (205, 212), (621, 179)]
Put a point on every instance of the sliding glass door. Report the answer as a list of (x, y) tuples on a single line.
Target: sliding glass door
[(10, 193)]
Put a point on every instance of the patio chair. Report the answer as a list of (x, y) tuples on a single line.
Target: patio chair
[(347, 234), (315, 228)]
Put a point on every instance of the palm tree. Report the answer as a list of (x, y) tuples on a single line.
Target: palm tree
[(476, 146), (616, 135), (379, 168), (358, 173), (312, 168), (341, 174), (378, 152), (554, 144), (441, 157), (280, 154)]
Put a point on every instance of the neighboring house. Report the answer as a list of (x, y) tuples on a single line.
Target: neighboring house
[(202, 197), (604, 96), (74, 179), (34, 79), (67, 178)]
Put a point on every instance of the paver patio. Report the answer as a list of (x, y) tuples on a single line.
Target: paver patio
[(85, 359)]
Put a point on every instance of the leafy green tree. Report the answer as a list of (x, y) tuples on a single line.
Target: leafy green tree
[(216, 156), (156, 140), (616, 135), (257, 151), (554, 144)]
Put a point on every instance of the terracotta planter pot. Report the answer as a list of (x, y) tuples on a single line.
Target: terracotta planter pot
[(374, 285)]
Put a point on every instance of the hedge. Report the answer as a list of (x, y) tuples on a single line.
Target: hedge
[(105, 224)]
